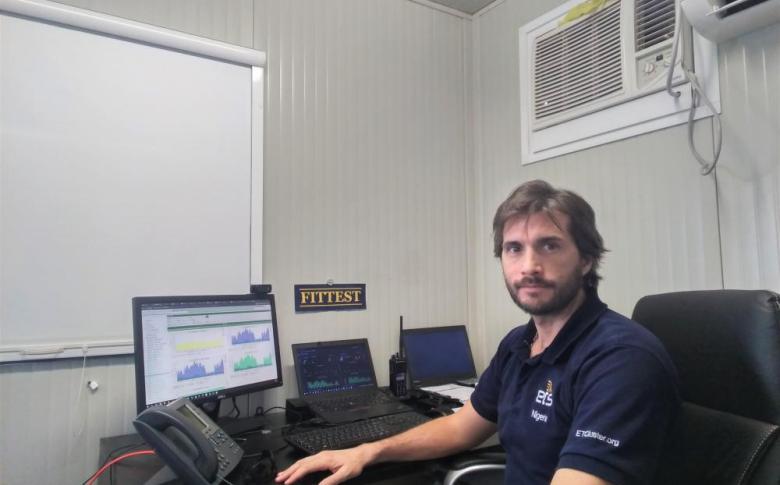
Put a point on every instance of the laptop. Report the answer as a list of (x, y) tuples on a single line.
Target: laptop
[(337, 381), (439, 360)]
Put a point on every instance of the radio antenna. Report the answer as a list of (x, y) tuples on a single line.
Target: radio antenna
[(401, 338)]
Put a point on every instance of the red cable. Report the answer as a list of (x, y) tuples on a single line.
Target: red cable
[(94, 477)]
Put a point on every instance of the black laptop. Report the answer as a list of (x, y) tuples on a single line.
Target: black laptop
[(439, 355), (337, 381)]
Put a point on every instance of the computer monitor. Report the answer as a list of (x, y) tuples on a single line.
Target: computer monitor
[(204, 348), (438, 355)]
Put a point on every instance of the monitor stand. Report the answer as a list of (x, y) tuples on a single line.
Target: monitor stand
[(256, 433), (256, 424), (211, 408)]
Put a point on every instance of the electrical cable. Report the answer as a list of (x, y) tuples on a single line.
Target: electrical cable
[(673, 60), (110, 462), (277, 407), (92, 479), (720, 232), (77, 434), (697, 93), (235, 408), (115, 451), (260, 411)]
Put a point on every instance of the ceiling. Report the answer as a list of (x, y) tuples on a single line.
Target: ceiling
[(466, 6)]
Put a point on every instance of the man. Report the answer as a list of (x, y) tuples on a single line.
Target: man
[(579, 395)]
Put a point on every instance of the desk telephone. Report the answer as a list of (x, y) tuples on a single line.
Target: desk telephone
[(195, 448)]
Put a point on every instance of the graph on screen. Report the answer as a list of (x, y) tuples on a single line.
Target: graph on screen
[(204, 350)]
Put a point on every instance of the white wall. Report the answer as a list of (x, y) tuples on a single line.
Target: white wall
[(749, 173), (366, 142), (225, 20), (365, 174)]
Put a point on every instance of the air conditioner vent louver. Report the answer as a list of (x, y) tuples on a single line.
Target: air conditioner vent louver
[(653, 22), (578, 63), (592, 72)]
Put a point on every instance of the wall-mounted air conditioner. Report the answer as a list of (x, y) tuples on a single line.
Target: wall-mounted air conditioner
[(595, 72), (720, 20)]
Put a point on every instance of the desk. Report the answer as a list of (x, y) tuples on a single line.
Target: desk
[(136, 470)]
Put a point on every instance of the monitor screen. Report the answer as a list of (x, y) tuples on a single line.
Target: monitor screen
[(204, 347), (342, 365), (438, 355)]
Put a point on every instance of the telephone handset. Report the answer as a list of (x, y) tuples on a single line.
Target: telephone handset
[(189, 442)]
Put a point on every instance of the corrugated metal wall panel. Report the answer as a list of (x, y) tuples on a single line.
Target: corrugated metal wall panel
[(749, 171), (656, 214), (225, 20), (46, 407), (366, 139), (365, 157)]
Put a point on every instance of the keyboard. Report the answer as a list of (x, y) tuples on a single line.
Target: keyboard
[(352, 434), (351, 401)]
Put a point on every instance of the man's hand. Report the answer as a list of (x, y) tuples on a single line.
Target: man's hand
[(343, 464), (439, 437)]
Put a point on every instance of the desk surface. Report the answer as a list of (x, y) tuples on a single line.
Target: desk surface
[(257, 470)]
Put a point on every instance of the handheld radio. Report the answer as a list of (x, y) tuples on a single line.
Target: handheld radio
[(398, 366)]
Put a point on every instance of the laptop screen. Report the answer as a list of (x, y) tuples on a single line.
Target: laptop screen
[(438, 355), (342, 365)]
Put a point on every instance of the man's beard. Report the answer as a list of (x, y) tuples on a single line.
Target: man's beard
[(563, 294)]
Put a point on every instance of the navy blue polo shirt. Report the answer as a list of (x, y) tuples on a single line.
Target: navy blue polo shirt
[(600, 399)]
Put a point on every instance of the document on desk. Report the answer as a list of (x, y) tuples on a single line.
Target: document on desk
[(455, 391)]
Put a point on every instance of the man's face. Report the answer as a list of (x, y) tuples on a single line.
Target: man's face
[(542, 267)]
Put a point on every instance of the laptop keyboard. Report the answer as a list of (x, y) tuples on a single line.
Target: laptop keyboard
[(345, 403), (353, 434)]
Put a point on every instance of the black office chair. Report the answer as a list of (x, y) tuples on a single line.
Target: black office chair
[(726, 346)]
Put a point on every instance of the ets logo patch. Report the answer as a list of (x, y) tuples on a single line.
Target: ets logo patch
[(545, 396)]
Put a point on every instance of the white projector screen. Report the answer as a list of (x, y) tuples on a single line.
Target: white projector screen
[(127, 168)]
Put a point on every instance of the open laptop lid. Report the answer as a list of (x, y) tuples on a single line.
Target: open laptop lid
[(336, 366), (438, 355)]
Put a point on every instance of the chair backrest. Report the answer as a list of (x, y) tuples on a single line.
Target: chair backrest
[(726, 346)]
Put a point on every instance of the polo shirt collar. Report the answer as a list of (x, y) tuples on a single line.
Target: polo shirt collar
[(581, 320)]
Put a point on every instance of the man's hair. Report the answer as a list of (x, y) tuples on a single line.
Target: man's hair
[(538, 196)]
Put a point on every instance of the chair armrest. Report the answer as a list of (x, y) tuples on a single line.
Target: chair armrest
[(473, 462), (452, 477)]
